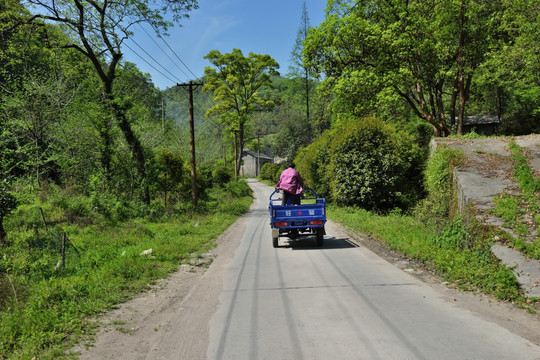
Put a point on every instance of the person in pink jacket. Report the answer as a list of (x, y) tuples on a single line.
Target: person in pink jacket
[(291, 183)]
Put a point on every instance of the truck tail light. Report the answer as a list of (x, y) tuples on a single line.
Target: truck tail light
[(316, 222), (282, 223)]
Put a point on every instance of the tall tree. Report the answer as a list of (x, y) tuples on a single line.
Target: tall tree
[(297, 67), (8, 149), (373, 51), (236, 81), (512, 73), (97, 29)]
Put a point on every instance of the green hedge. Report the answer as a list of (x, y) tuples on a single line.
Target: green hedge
[(364, 162)]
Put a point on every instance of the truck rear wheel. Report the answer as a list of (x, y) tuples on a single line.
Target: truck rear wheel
[(320, 236), (275, 241)]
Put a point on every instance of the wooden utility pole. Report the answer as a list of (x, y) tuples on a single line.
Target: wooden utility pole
[(235, 155), (190, 86), (257, 170)]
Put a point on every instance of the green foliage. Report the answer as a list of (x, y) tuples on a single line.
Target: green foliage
[(237, 81), (271, 172), (438, 185), (399, 58), (238, 188), (370, 160), (366, 163), (44, 307), (167, 172), (470, 266), (527, 182), (221, 175), (517, 211), (453, 236), (313, 163)]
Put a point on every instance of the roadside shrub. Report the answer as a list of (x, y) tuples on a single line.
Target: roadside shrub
[(313, 163), (238, 188), (453, 236), (370, 161), (438, 185), (221, 175), (267, 171), (271, 172), (166, 173)]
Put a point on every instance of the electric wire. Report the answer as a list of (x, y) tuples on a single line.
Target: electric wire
[(151, 57), (160, 48), (143, 59)]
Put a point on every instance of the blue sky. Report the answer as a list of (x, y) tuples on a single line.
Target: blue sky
[(261, 27)]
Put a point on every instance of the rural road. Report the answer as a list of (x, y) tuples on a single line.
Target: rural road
[(340, 301)]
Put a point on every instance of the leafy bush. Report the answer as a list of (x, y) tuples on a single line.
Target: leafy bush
[(438, 185), (453, 236), (271, 172), (221, 175), (370, 160), (8, 203), (238, 188), (266, 171), (313, 163)]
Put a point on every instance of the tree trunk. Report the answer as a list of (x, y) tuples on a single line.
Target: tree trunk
[(235, 155), (119, 113), (240, 147), (307, 94), (106, 148), (2, 232)]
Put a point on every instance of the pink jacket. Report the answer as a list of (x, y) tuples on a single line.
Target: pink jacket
[(290, 181)]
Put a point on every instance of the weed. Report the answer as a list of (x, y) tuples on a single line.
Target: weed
[(453, 236), (44, 311), (450, 254), (515, 209)]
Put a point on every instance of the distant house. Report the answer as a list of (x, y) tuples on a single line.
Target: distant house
[(481, 124), (249, 163)]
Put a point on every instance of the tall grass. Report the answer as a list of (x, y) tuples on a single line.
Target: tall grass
[(443, 252), (521, 212), (44, 307)]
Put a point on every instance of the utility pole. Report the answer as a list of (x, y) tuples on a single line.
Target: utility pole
[(162, 114), (258, 155), (235, 155), (192, 142)]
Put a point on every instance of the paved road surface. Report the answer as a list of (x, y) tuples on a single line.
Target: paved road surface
[(299, 302), (339, 302)]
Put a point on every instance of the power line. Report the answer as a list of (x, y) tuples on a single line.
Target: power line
[(172, 61), (151, 57), (153, 67), (170, 48)]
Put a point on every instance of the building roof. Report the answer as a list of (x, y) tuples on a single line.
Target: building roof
[(481, 120), (255, 154)]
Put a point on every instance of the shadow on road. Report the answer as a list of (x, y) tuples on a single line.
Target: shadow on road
[(309, 243)]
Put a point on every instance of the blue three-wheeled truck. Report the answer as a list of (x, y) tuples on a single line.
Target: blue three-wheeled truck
[(295, 221)]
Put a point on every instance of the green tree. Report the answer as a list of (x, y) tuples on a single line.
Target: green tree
[(97, 30), (8, 161), (378, 52), (298, 68), (168, 170), (236, 81), (510, 78)]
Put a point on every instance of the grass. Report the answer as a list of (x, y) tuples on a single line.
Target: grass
[(45, 308), (521, 212), (449, 254), (435, 237)]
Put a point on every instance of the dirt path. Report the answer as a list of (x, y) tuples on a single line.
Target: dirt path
[(171, 320)]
